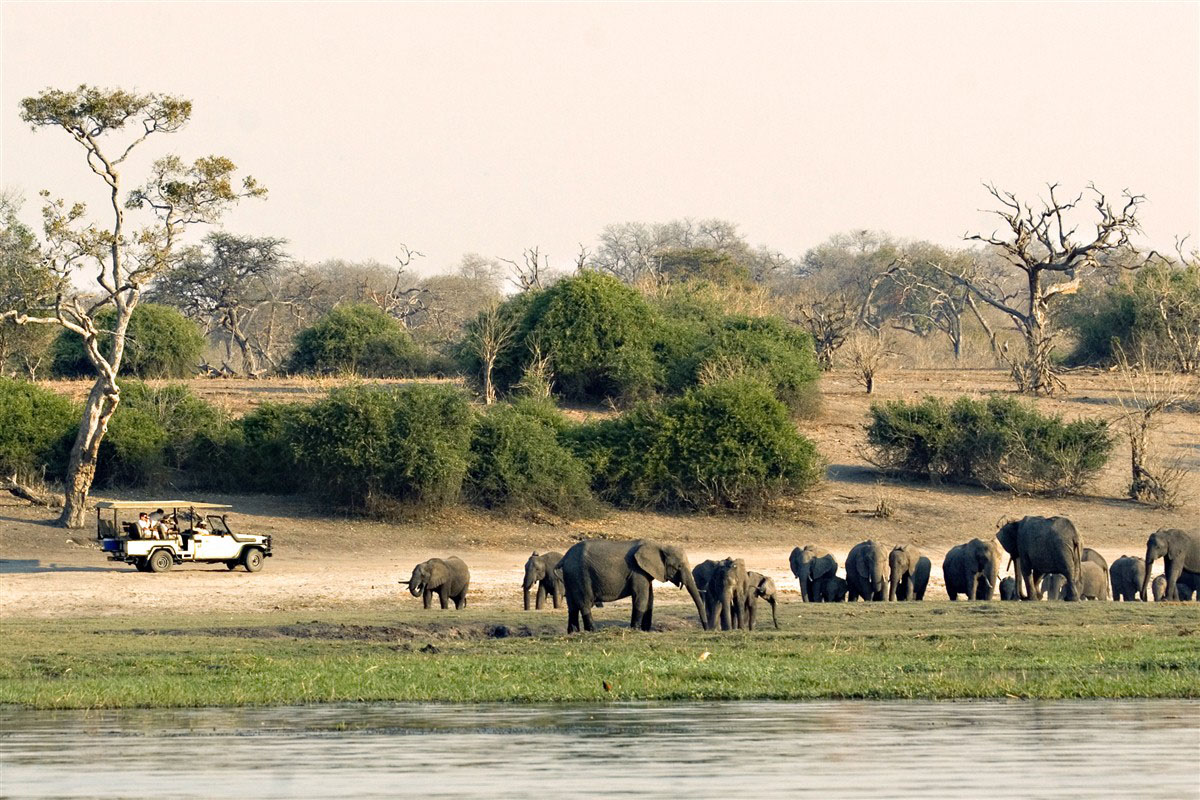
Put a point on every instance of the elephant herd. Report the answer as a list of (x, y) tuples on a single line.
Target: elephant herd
[(1046, 553)]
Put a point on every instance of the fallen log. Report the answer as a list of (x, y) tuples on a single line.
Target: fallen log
[(35, 496)]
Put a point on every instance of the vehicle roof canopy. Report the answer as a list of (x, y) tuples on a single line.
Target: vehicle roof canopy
[(153, 504)]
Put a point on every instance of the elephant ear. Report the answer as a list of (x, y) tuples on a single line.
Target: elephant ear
[(794, 560), (822, 567), (861, 567), (649, 558), (439, 573)]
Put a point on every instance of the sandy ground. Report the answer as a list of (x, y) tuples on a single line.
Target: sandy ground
[(325, 560)]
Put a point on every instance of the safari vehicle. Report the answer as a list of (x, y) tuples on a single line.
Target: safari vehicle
[(188, 532)]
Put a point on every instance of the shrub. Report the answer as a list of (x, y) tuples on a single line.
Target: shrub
[(359, 339), (159, 343), (34, 422), (996, 442), (517, 463), (594, 328), (728, 445), (159, 433), (372, 449)]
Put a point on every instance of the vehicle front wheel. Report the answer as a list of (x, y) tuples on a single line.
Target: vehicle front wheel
[(160, 561), (253, 559)]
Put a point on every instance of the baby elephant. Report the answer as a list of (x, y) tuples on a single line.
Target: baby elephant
[(1008, 589), (446, 577), (541, 570), (759, 585)]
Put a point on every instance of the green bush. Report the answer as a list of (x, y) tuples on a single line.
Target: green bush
[(998, 442), (595, 329), (252, 453), (159, 434), (518, 464), (376, 450), (358, 339), (728, 445), (159, 343), (34, 423)]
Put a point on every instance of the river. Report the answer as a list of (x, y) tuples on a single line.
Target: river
[(834, 749)]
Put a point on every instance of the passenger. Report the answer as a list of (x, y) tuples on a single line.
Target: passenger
[(144, 527), (159, 521)]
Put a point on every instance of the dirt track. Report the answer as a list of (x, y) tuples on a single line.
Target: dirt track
[(325, 560)]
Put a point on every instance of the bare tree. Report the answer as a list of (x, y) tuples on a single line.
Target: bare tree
[(176, 194), (404, 300), (829, 320), (1041, 245), (867, 355), (531, 272), (925, 302), (225, 286), (1151, 393), (486, 338)]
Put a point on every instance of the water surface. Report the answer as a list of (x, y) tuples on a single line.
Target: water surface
[(835, 749)]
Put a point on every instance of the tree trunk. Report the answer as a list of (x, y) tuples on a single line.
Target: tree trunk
[(489, 390), (81, 471)]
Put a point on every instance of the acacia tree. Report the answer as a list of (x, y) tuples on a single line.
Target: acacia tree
[(226, 284), (1041, 246), (109, 124)]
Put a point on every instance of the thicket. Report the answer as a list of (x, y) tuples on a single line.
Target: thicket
[(34, 422), (381, 451), (605, 341), (1155, 315), (997, 442), (358, 339), (728, 445), (518, 463), (159, 343)]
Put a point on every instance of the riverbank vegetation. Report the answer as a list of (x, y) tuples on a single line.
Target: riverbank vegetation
[(901, 651)]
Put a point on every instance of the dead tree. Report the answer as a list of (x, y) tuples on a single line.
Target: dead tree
[(1041, 246), (531, 272), (829, 321), (404, 300), (486, 338)]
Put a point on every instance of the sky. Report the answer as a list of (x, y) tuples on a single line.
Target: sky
[(465, 127)]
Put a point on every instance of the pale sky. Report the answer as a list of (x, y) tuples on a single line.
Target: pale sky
[(487, 128)]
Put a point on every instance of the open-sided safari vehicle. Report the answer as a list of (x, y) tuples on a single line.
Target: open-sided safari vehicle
[(187, 532)]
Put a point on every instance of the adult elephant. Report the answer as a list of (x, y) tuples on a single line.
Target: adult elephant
[(760, 586), (542, 570), (1041, 545), (725, 595), (970, 569), (909, 573), (1180, 552), (1125, 575), (813, 567), (448, 578), (603, 570), (866, 571)]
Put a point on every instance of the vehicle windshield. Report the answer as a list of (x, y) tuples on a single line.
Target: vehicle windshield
[(217, 524)]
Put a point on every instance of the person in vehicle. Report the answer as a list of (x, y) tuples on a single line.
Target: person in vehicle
[(159, 521), (145, 528)]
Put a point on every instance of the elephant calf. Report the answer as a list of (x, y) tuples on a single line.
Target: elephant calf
[(909, 573), (448, 578), (542, 570), (759, 586), (970, 569), (1008, 589), (1126, 575), (866, 571)]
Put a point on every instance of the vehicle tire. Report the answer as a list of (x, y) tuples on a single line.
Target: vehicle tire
[(160, 561), (253, 559)]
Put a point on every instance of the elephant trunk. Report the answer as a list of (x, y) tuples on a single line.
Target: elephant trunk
[(1150, 555), (805, 595), (525, 591), (892, 586), (690, 584)]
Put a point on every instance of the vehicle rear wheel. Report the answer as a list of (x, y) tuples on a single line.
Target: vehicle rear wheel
[(160, 561), (253, 559)]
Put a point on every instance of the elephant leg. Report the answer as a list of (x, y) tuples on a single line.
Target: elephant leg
[(442, 599), (588, 625), (1172, 568), (1026, 578), (648, 617), (541, 596), (460, 602), (572, 617), (557, 594), (427, 598)]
